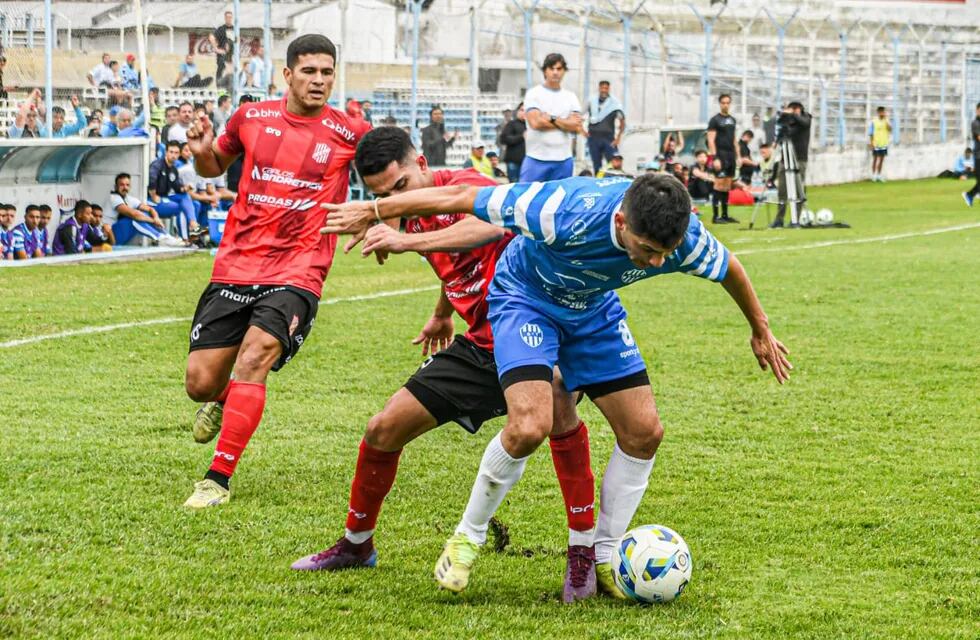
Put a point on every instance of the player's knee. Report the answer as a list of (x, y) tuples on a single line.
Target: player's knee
[(382, 433), (644, 438), (199, 385), (526, 434)]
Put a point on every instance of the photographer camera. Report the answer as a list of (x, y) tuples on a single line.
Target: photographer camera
[(792, 127)]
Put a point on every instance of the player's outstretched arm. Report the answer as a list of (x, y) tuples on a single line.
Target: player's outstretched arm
[(354, 217), (466, 234), (769, 351)]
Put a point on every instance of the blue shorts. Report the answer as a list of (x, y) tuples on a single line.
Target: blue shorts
[(542, 171), (590, 347)]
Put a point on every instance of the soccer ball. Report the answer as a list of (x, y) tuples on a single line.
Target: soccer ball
[(806, 218), (825, 216), (651, 564)]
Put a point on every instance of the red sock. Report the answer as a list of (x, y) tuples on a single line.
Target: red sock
[(223, 396), (373, 477), (570, 453), (243, 411)]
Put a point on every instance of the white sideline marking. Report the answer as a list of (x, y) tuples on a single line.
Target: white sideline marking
[(144, 323), (403, 292)]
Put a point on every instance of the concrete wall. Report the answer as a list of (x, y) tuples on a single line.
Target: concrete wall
[(906, 162)]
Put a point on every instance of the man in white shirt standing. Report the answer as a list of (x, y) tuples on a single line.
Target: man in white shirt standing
[(554, 117)]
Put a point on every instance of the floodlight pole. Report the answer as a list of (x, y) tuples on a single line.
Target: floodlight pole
[(236, 55), (342, 53), (585, 54), (708, 26), (921, 40), (823, 113), (843, 34), (528, 13), (474, 68), (781, 40), (896, 38), (48, 61), (416, 7)]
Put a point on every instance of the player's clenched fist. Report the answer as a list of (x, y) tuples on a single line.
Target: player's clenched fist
[(348, 218), (200, 135)]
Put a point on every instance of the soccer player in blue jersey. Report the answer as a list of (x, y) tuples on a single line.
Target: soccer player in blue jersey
[(26, 236), (552, 301)]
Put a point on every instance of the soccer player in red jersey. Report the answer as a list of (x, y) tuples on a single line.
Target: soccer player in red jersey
[(459, 383), (268, 275)]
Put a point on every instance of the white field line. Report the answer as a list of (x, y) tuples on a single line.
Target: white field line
[(146, 323), (403, 292)]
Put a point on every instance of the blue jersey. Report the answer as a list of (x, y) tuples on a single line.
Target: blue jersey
[(567, 252), (6, 244), (26, 240)]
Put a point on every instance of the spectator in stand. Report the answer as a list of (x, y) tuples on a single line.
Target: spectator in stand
[(769, 126), (188, 76), (3, 89), (101, 74), (157, 112), (701, 181), (612, 168), (130, 76), (94, 127), (202, 201), (748, 166), (512, 138), (167, 193), (217, 186), (115, 93), (605, 111), (256, 68), (964, 165), (185, 117), (498, 173), (365, 110), (125, 126), (170, 117), (969, 196), (26, 237), (554, 117), (75, 235), (102, 229), (7, 213), (499, 129), (27, 122), (244, 78), (43, 224), (435, 140), (680, 172), (478, 159), (222, 113), (673, 144), (222, 41), (127, 216)]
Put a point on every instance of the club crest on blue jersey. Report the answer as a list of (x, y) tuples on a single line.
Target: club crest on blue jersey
[(532, 335)]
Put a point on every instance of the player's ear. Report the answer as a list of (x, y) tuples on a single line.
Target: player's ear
[(422, 162)]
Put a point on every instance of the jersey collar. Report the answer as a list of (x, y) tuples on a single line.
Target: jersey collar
[(612, 226)]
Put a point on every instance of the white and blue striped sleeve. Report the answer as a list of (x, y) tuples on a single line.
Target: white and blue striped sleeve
[(701, 254), (528, 208), (18, 239)]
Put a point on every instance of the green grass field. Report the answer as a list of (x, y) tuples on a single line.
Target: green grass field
[(845, 504)]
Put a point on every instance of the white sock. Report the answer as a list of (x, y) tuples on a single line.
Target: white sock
[(358, 537), (581, 538), (498, 473), (623, 486)]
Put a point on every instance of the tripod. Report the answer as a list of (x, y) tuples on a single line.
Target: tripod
[(789, 172)]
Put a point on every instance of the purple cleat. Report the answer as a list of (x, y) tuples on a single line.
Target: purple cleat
[(343, 555), (579, 574)]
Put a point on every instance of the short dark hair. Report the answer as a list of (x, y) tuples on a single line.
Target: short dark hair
[(32, 207), (309, 44), (174, 143), (978, 105), (603, 82), (723, 96), (699, 152), (880, 109), (170, 108), (796, 104), (181, 105), (120, 176), (42, 207), (658, 207), (96, 206), (81, 205), (748, 132), (434, 108), (222, 99), (379, 148), (553, 59)]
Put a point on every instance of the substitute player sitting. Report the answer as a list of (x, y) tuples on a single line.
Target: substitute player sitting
[(267, 278), (459, 383), (552, 301)]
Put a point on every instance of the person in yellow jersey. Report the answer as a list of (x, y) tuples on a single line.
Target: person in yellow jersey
[(879, 134), (478, 159)]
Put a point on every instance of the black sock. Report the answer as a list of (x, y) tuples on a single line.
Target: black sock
[(220, 478), (724, 203), (714, 204)]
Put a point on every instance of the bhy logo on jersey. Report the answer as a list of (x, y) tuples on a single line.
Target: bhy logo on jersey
[(340, 129)]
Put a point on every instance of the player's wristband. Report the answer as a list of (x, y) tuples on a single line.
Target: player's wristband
[(376, 213)]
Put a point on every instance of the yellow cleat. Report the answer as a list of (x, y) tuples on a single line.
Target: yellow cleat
[(207, 493), (207, 424), (606, 582), (452, 570)]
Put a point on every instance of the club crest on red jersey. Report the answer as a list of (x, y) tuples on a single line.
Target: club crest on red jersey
[(321, 152)]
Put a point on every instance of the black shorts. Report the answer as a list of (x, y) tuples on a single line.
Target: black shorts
[(459, 384), (226, 311), (880, 151), (727, 159)]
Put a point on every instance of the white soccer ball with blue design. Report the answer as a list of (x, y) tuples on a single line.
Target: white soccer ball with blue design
[(652, 564)]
